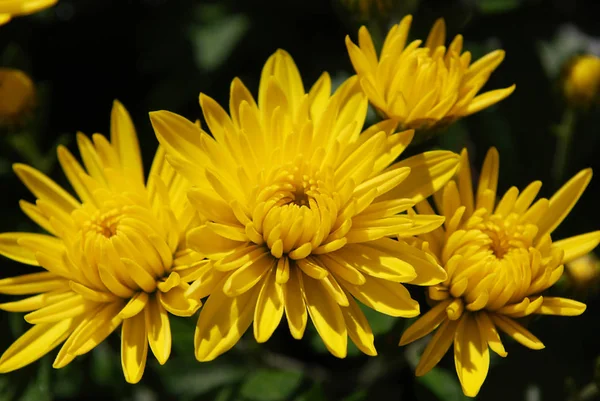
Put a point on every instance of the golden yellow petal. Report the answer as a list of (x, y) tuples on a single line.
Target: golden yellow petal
[(437, 347), (430, 171), (295, 306), (358, 327), (222, 322), (488, 99), (563, 201), (124, 139), (516, 331), (561, 307), (490, 334), (176, 302), (35, 343), (426, 323), (577, 246), (159, 330), (384, 296), (134, 348), (326, 316), (488, 180), (269, 308), (471, 355)]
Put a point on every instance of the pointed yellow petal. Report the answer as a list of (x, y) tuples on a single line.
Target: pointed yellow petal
[(135, 305), (561, 307), (134, 348), (430, 171), (437, 35), (490, 334), (577, 246), (488, 180), (426, 323), (384, 296), (326, 316), (437, 347), (35, 343), (11, 249), (563, 201), (176, 302), (124, 139), (471, 356), (159, 330), (358, 327), (295, 307), (204, 240), (488, 99), (516, 331), (269, 308), (222, 322), (44, 188)]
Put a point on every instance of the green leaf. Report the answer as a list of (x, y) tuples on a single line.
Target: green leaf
[(216, 40), (270, 385), (314, 394), (443, 384), (380, 323), (186, 377), (39, 389), (497, 6)]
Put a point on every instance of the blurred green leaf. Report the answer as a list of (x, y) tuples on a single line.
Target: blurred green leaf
[(443, 384), (315, 393), (270, 385), (186, 377), (497, 6), (380, 323), (39, 388), (214, 41), (360, 395)]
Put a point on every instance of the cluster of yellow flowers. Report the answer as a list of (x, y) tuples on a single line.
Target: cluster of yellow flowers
[(290, 207)]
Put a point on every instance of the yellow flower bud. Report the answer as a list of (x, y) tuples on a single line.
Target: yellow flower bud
[(17, 94), (581, 84), (584, 272)]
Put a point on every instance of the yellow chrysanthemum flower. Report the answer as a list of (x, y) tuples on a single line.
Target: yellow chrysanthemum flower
[(423, 87), (300, 206), (17, 95), (115, 258), (499, 257), (11, 8), (581, 80)]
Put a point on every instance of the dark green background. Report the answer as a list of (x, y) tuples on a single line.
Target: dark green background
[(159, 54)]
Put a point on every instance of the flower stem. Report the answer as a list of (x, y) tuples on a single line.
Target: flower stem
[(564, 134)]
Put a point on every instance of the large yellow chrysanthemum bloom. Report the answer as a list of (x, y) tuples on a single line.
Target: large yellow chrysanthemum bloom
[(499, 257), (115, 258), (297, 224), (10, 8), (423, 87)]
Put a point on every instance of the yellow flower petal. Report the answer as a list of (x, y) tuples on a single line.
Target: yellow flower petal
[(10, 248), (487, 99), (135, 305), (430, 171), (561, 307), (35, 343), (488, 180), (207, 242), (437, 35), (295, 306), (563, 201), (490, 334), (159, 330), (326, 316), (134, 348), (358, 327), (269, 308), (516, 331), (124, 139), (222, 322), (471, 356), (384, 296), (176, 302), (426, 323), (577, 246), (437, 347)]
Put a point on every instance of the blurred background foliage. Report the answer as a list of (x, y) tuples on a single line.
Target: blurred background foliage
[(159, 54)]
